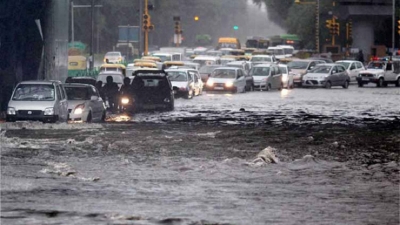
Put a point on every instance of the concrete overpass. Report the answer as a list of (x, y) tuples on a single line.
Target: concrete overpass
[(33, 41)]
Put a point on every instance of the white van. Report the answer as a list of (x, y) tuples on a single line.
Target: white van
[(278, 52), (45, 101), (288, 50)]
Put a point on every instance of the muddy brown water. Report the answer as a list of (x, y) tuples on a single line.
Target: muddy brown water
[(197, 173)]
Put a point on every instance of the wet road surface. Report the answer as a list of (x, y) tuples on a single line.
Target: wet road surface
[(338, 151)]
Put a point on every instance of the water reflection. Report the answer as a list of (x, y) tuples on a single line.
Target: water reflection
[(285, 93)]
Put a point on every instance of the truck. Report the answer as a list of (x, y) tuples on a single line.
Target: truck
[(381, 73)]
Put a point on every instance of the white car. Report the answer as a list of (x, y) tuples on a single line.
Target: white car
[(185, 82), (381, 73), (287, 78), (84, 103), (113, 57), (267, 77), (353, 68), (45, 101), (288, 49), (260, 59), (227, 79)]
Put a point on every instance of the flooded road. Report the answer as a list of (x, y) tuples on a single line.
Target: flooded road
[(338, 152)]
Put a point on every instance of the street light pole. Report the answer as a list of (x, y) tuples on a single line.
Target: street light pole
[(317, 27), (394, 27), (72, 22), (91, 63)]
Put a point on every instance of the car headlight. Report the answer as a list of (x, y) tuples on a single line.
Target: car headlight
[(285, 78), (210, 83), (79, 109), (11, 111), (229, 84), (124, 101), (49, 111)]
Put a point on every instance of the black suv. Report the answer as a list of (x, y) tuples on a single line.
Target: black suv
[(152, 90)]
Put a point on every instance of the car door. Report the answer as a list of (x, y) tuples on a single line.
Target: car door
[(389, 73), (62, 103), (342, 75), (240, 81), (335, 76), (353, 71), (274, 81), (97, 105), (195, 83), (278, 77)]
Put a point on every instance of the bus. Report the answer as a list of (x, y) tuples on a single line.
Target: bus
[(287, 39), (257, 42)]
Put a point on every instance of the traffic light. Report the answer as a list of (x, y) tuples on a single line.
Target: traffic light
[(336, 29), (178, 27), (350, 28), (146, 22), (236, 27), (329, 25), (196, 18), (398, 27)]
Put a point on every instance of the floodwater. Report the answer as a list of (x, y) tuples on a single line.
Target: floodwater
[(174, 168)]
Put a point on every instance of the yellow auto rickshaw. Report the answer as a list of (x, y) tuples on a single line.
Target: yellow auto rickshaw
[(113, 67), (153, 58), (77, 64), (168, 64), (145, 64)]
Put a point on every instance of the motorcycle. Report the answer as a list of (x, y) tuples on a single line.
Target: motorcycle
[(127, 104)]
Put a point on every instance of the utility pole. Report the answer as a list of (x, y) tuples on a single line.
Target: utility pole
[(394, 27), (72, 22), (91, 62), (146, 31), (140, 33), (317, 27)]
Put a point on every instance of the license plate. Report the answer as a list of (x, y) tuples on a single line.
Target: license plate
[(365, 78), (218, 88)]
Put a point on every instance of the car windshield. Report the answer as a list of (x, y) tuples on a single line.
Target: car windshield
[(113, 54), (224, 73), (260, 71), (321, 69), (204, 62), (78, 93), (375, 65), (227, 45), (283, 69), (34, 92), (275, 51), (261, 59), (117, 78), (207, 69), (297, 65), (235, 66), (164, 58), (177, 76), (288, 51), (345, 64)]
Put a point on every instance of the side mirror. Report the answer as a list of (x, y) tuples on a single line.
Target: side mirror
[(94, 98)]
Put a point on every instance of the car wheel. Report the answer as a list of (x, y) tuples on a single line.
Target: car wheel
[(328, 85), (360, 84), (268, 87), (281, 87), (398, 82), (346, 84), (103, 117), (380, 82), (89, 118)]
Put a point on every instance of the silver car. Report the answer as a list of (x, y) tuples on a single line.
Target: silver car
[(327, 75), (267, 77), (45, 101), (84, 103)]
